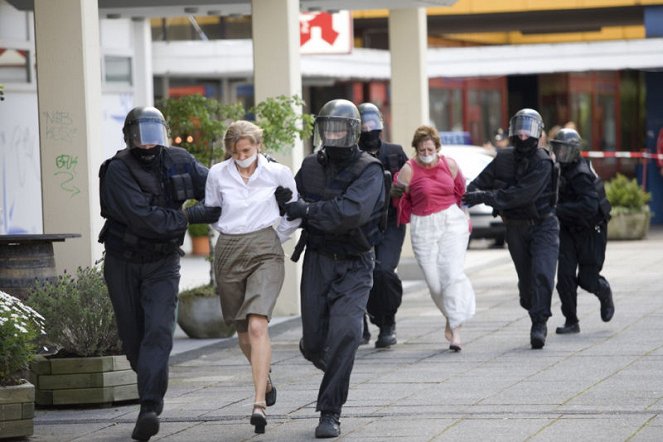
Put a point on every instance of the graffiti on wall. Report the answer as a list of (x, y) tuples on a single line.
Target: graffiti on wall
[(66, 172)]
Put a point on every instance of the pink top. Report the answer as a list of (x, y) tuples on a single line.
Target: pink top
[(431, 190)]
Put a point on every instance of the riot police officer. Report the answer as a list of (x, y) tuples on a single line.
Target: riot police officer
[(387, 291), (583, 211), (142, 189), (521, 185), (342, 190)]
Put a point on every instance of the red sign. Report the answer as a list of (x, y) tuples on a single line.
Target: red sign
[(325, 33)]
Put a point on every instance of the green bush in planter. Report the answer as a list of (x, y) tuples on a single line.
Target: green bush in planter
[(79, 317), (20, 326), (626, 195)]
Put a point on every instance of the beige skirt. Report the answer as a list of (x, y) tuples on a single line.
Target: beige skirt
[(249, 272)]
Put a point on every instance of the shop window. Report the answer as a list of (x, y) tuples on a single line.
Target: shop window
[(117, 70)]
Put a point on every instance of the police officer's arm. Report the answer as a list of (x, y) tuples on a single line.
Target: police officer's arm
[(127, 204), (585, 207), (485, 180), (354, 207), (286, 227), (528, 188)]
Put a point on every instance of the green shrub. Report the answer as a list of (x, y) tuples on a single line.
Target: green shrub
[(79, 315), (20, 326), (626, 195)]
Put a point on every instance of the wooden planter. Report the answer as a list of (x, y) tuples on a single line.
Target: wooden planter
[(629, 226), (17, 409), (95, 380)]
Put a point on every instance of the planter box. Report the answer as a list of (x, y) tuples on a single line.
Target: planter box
[(629, 226), (17, 409), (96, 380)]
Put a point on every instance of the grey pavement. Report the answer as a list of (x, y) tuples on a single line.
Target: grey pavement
[(604, 384)]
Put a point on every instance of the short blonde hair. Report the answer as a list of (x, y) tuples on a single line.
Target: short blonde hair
[(424, 133), (238, 130)]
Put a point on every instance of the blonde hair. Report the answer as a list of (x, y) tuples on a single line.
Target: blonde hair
[(423, 133), (238, 130)]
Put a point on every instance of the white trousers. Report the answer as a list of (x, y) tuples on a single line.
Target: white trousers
[(439, 242)]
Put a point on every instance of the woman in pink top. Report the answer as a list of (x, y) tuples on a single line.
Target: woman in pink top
[(439, 229)]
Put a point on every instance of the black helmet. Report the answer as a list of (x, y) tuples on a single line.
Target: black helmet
[(145, 125), (567, 145), (526, 121), (371, 117), (338, 124)]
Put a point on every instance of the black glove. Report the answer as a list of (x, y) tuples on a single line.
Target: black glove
[(478, 197), (397, 190), (201, 214), (297, 209), (282, 195)]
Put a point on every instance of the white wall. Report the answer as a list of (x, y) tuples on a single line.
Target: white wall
[(20, 167)]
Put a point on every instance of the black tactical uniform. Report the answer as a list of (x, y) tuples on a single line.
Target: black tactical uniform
[(520, 184), (141, 194), (387, 291), (583, 211), (343, 196)]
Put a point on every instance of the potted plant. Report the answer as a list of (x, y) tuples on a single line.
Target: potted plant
[(20, 326), (199, 313), (87, 365), (630, 213)]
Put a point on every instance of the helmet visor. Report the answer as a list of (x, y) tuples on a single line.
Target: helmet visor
[(148, 131), (525, 125), (337, 132), (370, 121), (565, 153)]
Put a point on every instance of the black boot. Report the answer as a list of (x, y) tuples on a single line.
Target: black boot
[(607, 306), (537, 335), (568, 329), (147, 424), (329, 425), (387, 336)]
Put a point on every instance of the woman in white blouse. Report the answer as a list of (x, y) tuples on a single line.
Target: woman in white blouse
[(248, 257)]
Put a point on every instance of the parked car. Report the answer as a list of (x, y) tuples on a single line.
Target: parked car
[(472, 160)]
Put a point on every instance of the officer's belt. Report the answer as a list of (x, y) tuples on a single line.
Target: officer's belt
[(528, 221), (121, 240), (337, 256)]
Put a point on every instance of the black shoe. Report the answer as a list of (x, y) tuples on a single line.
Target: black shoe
[(270, 396), (387, 336), (147, 424), (607, 307), (537, 335), (568, 329), (329, 425)]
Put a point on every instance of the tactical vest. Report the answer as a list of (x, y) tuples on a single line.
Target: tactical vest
[(318, 184), (507, 173), (583, 166), (169, 184)]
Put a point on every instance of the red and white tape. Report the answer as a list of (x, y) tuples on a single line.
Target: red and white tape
[(621, 154)]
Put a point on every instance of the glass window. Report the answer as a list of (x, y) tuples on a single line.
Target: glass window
[(446, 109), (117, 70), (14, 65)]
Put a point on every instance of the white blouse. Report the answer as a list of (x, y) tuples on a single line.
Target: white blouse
[(251, 206)]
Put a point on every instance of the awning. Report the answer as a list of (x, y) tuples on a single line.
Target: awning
[(234, 59)]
